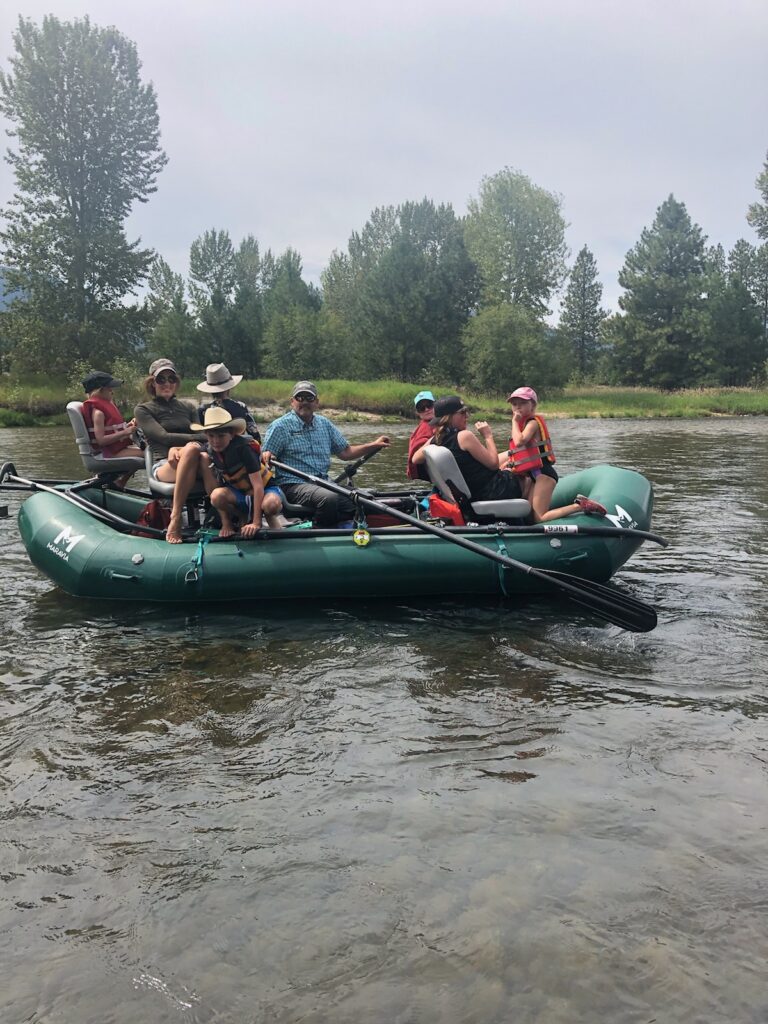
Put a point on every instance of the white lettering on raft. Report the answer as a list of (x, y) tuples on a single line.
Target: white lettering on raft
[(64, 537)]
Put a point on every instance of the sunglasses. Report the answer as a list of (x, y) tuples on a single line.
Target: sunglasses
[(423, 406), (165, 378), (305, 397), (216, 433)]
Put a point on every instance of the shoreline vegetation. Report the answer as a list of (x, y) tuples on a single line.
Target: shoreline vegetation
[(35, 402)]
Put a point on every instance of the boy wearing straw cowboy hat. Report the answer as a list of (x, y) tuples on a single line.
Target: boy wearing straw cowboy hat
[(236, 479), (218, 383)]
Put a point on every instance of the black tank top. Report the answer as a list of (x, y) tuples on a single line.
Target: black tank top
[(484, 484)]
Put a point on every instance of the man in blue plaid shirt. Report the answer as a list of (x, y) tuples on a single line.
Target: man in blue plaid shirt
[(306, 440)]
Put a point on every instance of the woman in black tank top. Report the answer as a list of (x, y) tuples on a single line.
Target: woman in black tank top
[(479, 463)]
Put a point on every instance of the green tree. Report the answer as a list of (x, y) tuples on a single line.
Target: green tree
[(87, 149), (293, 346), (664, 277), (285, 289), (515, 233), (582, 316), (212, 278), (292, 337), (403, 292), (248, 311), (506, 346), (749, 265), (732, 349), (173, 332), (757, 215)]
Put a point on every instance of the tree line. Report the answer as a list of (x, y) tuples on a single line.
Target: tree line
[(418, 294)]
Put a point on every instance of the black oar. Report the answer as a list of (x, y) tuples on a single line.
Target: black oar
[(88, 506), (349, 471), (606, 602)]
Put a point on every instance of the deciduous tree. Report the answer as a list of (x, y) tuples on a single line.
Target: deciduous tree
[(403, 292), (506, 346), (515, 233), (87, 149)]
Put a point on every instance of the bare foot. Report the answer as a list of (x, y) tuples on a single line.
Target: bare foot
[(226, 531), (173, 532)]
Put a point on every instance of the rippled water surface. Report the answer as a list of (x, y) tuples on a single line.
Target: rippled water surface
[(410, 812)]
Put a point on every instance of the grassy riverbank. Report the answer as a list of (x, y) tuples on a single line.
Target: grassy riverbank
[(38, 402)]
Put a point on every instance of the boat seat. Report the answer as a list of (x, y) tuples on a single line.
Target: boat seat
[(161, 489), (445, 474), (96, 462)]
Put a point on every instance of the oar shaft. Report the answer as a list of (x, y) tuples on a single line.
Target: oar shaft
[(88, 506), (349, 471), (631, 614)]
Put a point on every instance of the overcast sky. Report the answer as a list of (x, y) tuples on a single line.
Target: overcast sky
[(293, 119)]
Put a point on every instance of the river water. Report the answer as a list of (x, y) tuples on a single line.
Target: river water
[(412, 812)]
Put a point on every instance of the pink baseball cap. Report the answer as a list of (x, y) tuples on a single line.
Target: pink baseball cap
[(527, 394)]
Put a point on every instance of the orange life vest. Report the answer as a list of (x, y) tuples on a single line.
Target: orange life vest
[(238, 477), (266, 473), (530, 458)]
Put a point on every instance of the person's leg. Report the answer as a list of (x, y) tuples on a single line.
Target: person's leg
[(225, 503), (327, 508), (257, 497), (186, 473), (272, 507), (127, 453), (541, 498)]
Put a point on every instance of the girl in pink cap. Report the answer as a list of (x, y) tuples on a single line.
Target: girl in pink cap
[(530, 453)]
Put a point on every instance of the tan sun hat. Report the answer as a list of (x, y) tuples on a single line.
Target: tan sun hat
[(218, 378), (217, 418)]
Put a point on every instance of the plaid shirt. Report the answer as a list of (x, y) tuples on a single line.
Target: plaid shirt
[(307, 446)]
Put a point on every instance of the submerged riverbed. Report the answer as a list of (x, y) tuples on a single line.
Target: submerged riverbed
[(414, 811)]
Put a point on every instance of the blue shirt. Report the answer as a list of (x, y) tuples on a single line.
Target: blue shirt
[(307, 446)]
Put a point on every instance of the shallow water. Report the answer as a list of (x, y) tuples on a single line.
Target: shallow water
[(407, 812)]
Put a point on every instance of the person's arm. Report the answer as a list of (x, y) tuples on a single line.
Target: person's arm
[(102, 437), (156, 433), (249, 529), (523, 433), (419, 457), (273, 441), (485, 454), (356, 451)]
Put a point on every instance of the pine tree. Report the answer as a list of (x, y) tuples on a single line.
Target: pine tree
[(581, 315), (664, 281)]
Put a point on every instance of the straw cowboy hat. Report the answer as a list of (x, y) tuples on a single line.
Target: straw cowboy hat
[(218, 379), (217, 418)]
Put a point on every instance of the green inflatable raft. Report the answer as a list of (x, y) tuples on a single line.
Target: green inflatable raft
[(80, 537)]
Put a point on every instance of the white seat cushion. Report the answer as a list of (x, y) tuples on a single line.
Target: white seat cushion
[(507, 508)]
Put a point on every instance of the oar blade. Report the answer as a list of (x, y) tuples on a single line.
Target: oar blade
[(609, 603), (613, 606)]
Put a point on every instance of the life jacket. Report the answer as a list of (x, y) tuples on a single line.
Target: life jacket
[(239, 477), (439, 508), (530, 458), (266, 473), (113, 421)]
